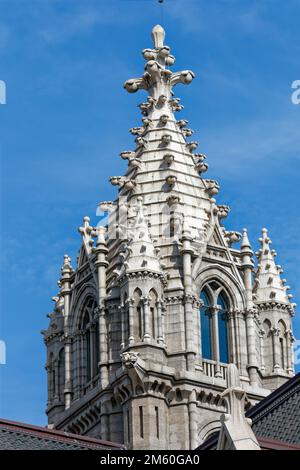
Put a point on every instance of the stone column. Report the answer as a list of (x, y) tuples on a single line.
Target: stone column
[(101, 265), (104, 426), (252, 360), (243, 342), (147, 335), (197, 333), (289, 345), (193, 423), (121, 309), (103, 347), (215, 339), (163, 322), (247, 267), (187, 252), (189, 331), (238, 317), (92, 352), (160, 338), (68, 384), (50, 395), (56, 389), (76, 366), (81, 362), (232, 336), (262, 352), (130, 303), (66, 293)]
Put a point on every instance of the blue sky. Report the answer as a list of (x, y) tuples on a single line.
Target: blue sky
[(67, 119)]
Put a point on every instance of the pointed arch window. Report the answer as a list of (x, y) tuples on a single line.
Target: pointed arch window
[(87, 346), (125, 321), (153, 312), (90, 338), (139, 327), (51, 376), (61, 373), (283, 347), (268, 352), (214, 325)]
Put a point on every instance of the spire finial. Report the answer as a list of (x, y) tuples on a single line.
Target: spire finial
[(66, 267), (158, 79), (158, 36), (268, 284), (245, 239), (86, 232)]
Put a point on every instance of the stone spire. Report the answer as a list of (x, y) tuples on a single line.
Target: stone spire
[(247, 266), (163, 168), (268, 284), (157, 79)]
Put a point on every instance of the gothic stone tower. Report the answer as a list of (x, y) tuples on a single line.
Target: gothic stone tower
[(161, 301)]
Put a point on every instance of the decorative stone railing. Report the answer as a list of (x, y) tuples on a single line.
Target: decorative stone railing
[(214, 369)]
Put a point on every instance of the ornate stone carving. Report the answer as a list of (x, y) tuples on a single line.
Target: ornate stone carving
[(212, 187), (171, 180), (129, 358), (166, 139), (164, 118), (191, 146), (232, 237), (168, 158)]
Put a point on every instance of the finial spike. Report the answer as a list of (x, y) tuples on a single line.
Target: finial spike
[(245, 239), (268, 283), (158, 35)]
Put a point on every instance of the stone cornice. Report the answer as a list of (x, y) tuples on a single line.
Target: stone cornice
[(134, 275), (271, 305)]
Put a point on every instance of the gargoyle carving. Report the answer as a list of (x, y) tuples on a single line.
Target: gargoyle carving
[(129, 358)]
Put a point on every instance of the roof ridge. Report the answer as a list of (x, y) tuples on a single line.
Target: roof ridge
[(54, 434), (286, 390)]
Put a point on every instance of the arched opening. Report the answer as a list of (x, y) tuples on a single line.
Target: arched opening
[(87, 346), (172, 225), (268, 346), (282, 344), (61, 374), (139, 324), (153, 313), (125, 320), (214, 323), (96, 349), (90, 341), (51, 376)]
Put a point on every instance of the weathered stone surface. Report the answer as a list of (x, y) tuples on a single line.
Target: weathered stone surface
[(126, 356)]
